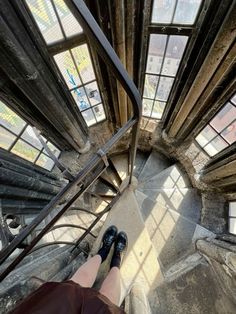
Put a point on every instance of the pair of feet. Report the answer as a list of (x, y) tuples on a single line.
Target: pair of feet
[(120, 241)]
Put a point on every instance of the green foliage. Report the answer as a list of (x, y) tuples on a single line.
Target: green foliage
[(7, 115)]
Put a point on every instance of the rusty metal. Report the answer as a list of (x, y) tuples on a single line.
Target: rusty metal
[(101, 153), (70, 226), (36, 248)]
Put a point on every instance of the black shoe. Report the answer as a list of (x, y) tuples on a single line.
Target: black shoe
[(119, 250), (107, 241)]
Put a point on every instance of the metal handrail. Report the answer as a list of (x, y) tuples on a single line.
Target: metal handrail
[(107, 53), (70, 226)]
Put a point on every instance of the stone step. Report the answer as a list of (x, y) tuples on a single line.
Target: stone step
[(169, 178), (40, 267), (155, 164), (140, 264), (68, 271), (136, 301), (120, 162), (30, 257), (17, 284), (197, 291), (183, 266), (141, 158), (186, 201), (111, 177), (102, 188), (173, 236)]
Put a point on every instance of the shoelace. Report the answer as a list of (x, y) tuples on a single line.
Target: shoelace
[(108, 241), (120, 247)]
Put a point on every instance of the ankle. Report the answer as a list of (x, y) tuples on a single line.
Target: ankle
[(115, 261)]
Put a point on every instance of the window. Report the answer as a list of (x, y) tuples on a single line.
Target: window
[(77, 70), (175, 11), (166, 51), (54, 19), (18, 137), (57, 24), (221, 131), (232, 218)]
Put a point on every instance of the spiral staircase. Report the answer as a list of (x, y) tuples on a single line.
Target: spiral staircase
[(160, 211), (172, 265)]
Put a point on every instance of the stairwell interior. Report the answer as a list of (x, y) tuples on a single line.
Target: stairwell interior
[(81, 150)]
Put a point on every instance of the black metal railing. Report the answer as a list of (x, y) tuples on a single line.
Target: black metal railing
[(98, 163)]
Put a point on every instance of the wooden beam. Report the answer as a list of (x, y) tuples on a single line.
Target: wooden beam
[(221, 86), (69, 43), (219, 49), (220, 172), (105, 78), (118, 37)]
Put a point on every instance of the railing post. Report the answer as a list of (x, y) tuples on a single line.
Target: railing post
[(133, 150)]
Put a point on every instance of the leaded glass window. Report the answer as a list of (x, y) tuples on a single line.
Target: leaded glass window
[(221, 130), (18, 137), (76, 67), (166, 49), (57, 24)]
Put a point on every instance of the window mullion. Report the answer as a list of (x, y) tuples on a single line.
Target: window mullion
[(18, 137), (58, 18), (173, 15)]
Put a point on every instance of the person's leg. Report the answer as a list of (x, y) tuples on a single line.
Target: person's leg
[(111, 285), (87, 273)]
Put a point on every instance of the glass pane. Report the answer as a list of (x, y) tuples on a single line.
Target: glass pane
[(45, 162), (53, 148), (81, 98), (224, 117), (150, 85), (158, 109), (186, 11), (217, 145), (83, 63), (206, 135), (46, 20), (69, 22), (174, 53), (25, 151), (6, 138), (89, 117), (164, 87), (67, 68), (31, 138), (230, 133), (162, 11), (147, 107), (93, 93), (99, 113), (156, 50), (10, 119)]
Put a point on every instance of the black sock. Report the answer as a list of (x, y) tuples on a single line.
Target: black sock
[(103, 252), (116, 260)]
